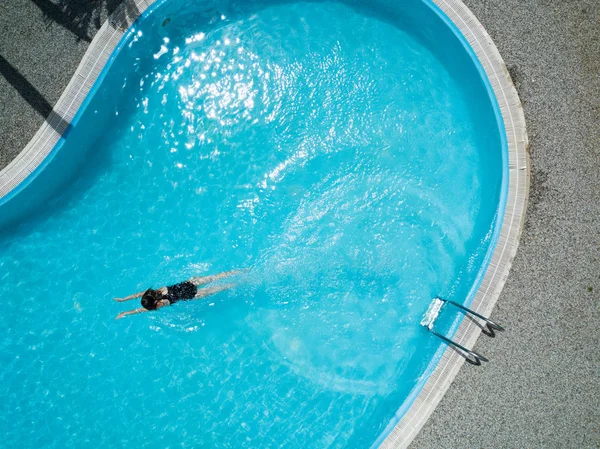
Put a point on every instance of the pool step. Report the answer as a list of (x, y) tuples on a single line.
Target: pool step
[(432, 314)]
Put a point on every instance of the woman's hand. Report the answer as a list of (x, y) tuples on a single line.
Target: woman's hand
[(130, 312)]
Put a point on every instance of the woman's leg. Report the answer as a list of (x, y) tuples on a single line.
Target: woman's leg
[(204, 292), (198, 281)]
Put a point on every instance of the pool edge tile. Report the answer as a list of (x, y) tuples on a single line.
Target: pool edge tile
[(98, 55), (510, 232)]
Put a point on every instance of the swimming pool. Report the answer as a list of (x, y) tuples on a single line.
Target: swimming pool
[(353, 160)]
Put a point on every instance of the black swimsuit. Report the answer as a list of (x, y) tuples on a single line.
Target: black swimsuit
[(181, 292)]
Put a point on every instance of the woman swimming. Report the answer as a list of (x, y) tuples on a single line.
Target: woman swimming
[(184, 291)]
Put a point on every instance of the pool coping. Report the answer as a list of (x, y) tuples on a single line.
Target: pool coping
[(510, 232), (107, 40), (58, 121)]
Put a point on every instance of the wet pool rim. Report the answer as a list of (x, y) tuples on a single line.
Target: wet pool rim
[(415, 411)]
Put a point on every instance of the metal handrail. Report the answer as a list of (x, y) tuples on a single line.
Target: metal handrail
[(478, 357), (488, 322), (471, 356)]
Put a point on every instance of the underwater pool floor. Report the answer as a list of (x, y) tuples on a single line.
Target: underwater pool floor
[(71, 106)]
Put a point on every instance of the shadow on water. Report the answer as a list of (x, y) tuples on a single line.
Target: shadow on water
[(70, 190)]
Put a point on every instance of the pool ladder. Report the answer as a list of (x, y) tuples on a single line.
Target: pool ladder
[(431, 315)]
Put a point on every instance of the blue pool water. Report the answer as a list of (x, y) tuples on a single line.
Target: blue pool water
[(348, 155)]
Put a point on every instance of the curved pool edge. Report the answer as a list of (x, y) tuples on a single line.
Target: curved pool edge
[(39, 151), (36, 154), (505, 250)]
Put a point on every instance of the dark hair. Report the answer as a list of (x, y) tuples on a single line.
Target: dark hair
[(150, 298)]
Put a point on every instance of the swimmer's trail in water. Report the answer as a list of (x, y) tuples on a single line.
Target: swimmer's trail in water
[(325, 146)]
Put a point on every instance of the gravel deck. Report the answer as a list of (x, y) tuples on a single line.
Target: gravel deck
[(542, 386)]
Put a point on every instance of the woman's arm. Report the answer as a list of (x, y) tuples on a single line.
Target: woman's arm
[(130, 312), (127, 298)]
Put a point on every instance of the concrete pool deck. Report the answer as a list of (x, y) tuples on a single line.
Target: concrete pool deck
[(540, 389)]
